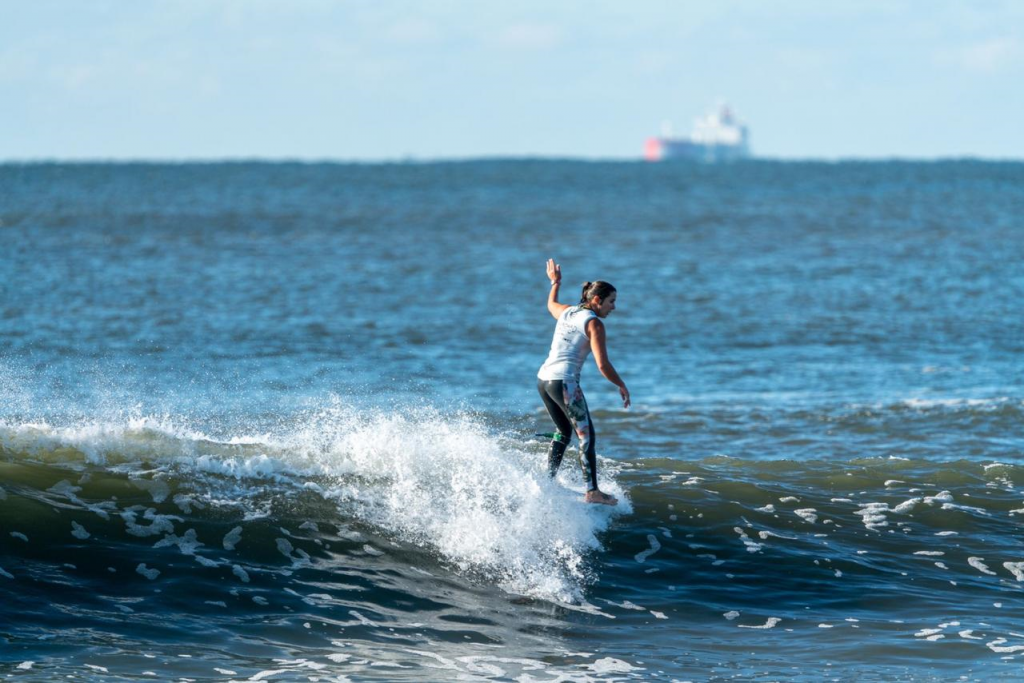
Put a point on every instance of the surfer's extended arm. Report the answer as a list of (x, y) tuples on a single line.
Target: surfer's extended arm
[(595, 329), (555, 275)]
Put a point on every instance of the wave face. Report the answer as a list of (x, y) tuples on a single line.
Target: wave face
[(276, 421), (475, 502), (399, 540), (401, 523)]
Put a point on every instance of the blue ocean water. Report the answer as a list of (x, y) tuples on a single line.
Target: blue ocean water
[(277, 421)]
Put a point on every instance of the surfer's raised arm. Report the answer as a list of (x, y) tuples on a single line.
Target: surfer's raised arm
[(555, 276)]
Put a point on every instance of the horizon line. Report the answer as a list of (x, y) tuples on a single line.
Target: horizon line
[(415, 160)]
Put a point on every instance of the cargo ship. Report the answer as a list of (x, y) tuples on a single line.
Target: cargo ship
[(718, 136)]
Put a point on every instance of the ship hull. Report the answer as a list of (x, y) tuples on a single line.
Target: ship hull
[(667, 149)]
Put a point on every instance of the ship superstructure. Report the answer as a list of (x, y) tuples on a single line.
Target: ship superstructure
[(718, 136)]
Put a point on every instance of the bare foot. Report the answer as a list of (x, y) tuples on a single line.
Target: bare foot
[(598, 497)]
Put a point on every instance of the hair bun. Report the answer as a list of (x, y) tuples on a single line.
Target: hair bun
[(598, 288)]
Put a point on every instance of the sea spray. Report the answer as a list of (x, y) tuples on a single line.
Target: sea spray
[(446, 482)]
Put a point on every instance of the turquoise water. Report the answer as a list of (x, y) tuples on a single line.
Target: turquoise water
[(278, 420)]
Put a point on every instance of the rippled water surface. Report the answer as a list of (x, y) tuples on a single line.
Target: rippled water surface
[(277, 422)]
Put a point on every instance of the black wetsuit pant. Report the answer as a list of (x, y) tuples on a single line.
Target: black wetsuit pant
[(568, 410)]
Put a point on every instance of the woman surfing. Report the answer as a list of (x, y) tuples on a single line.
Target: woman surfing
[(579, 331)]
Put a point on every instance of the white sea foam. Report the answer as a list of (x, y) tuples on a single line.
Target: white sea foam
[(362, 620), (965, 508), (752, 545), (160, 524), (642, 556), (771, 623), (997, 646), (157, 488), (873, 515), (300, 558), (448, 483), (765, 535), (186, 503), (941, 497), (809, 515), (206, 562), (443, 481), (610, 665), (1015, 568), (67, 490), (187, 544), (150, 574), (926, 404), (979, 564), (232, 538), (906, 506)]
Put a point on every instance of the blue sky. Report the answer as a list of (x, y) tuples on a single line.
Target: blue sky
[(388, 79)]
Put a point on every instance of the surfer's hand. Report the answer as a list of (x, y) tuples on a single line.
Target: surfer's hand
[(554, 271), (624, 393)]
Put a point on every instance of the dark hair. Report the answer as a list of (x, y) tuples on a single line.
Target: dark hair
[(598, 288)]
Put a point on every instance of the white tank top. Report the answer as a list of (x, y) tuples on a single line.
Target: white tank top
[(570, 346)]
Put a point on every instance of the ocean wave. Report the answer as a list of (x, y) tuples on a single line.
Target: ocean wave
[(448, 483), (948, 404)]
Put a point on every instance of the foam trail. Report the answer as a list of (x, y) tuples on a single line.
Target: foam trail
[(445, 482), (441, 481)]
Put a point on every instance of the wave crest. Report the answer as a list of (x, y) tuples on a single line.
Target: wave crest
[(477, 499)]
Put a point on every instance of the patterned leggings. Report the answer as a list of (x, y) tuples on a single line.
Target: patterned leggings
[(568, 409)]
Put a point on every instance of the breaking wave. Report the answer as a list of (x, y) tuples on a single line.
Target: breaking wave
[(447, 483)]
